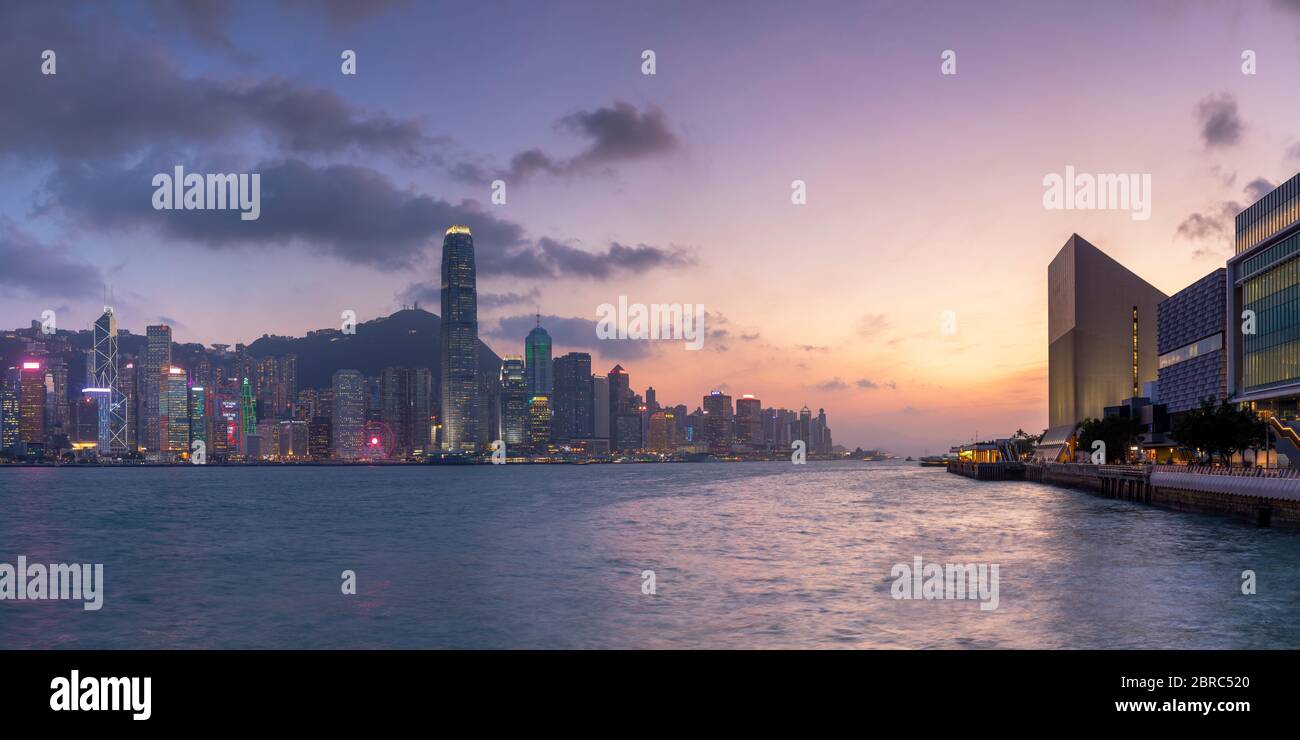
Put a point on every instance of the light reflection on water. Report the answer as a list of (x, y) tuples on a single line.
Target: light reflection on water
[(745, 555)]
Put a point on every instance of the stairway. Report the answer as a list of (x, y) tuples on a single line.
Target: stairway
[(1286, 440)]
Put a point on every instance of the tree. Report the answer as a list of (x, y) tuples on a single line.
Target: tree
[(1224, 430), (1116, 432)]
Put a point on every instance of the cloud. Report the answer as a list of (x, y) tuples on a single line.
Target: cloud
[(614, 134), (430, 294), (868, 384), (1220, 124), (871, 324), (204, 20), (834, 384), (568, 333), (617, 258), (811, 348), (1258, 188), (39, 269), (119, 94), (1215, 222)]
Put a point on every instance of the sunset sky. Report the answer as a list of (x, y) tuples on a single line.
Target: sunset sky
[(925, 191)]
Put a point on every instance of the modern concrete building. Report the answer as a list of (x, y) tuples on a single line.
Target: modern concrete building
[(1192, 363), (1101, 325)]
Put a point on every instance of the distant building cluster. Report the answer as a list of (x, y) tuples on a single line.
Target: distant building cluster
[(82, 394)]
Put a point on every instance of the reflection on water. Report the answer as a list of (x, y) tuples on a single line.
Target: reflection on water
[(744, 555)]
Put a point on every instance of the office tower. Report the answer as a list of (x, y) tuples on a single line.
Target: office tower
[(127, 380), (115, 408), (319, 437), (31, 403), (461, 408), (749, 421), (307, 407), (56, 397), (1101, 322), (651, 400), (295, 440), (620, 405), (1192, 363), (175, 412), (10, 413), (718, 422), (405, 405), (600, 411), (347, 420), (574, 403), (539, 421), (1263, 322), (84, 417), (537, 361), (247, 408), (514, 429), (804, 428), (152, 381), (199, 417), (268, 437), (662, 431)]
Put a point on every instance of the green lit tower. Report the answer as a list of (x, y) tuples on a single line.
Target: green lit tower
[(247, 409)]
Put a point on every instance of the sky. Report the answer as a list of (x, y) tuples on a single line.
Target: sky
[(924, 189)]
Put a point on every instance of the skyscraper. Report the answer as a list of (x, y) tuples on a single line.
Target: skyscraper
[(459, 333), (514, 402), (537, 361), (348, 418), (620, 405), (176, 411), (157, 361), (600, 406), (405, 408), (718, 421), (749, 421), (113, 408), (1101, 333), (9, 408), (31, 404), (574, 403), (539, 421)]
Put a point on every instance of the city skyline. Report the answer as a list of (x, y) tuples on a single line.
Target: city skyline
[(620, 183)]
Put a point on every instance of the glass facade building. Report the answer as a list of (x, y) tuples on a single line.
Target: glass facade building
[(1263, 303), (1192, 363), (461, 409)]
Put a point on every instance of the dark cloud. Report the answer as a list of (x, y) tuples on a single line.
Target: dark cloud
[(568, 334), (349, 212), (1220, 124), (117, 94), (345, 13), (430, 294), (205, 20), (1215, 222), (39, 269), (834, 384), (811, 348), (617, 258), (614, 134), (1258, 188)]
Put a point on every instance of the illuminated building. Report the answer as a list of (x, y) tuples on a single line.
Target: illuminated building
[(405, 404), (348, 417), (539, 421), (9, 409), (295, 440), (319, 437), (31, 403), (514, 402), (1101, 333), (198, 415), (152, 380), (537, 361), (662, 431), (114, 410), (458, 330), (176, 412)]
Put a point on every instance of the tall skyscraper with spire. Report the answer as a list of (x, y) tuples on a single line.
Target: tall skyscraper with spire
[(459, 334), (113, 409), (537, 361)]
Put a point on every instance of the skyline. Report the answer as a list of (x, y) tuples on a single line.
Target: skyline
[(673, 187)]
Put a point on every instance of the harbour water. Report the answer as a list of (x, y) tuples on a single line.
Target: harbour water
[(745, 555)]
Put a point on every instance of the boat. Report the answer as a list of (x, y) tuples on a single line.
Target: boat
[(934, 461)]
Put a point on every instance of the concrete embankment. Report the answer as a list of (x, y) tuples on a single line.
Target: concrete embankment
[(1266, 497)]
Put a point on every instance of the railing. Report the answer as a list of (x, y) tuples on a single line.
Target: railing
[(1232, 471), (1284, 430)]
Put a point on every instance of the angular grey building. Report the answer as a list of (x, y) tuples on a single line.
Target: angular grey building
[(1101, 333), (461, 409), (1193, 365)]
